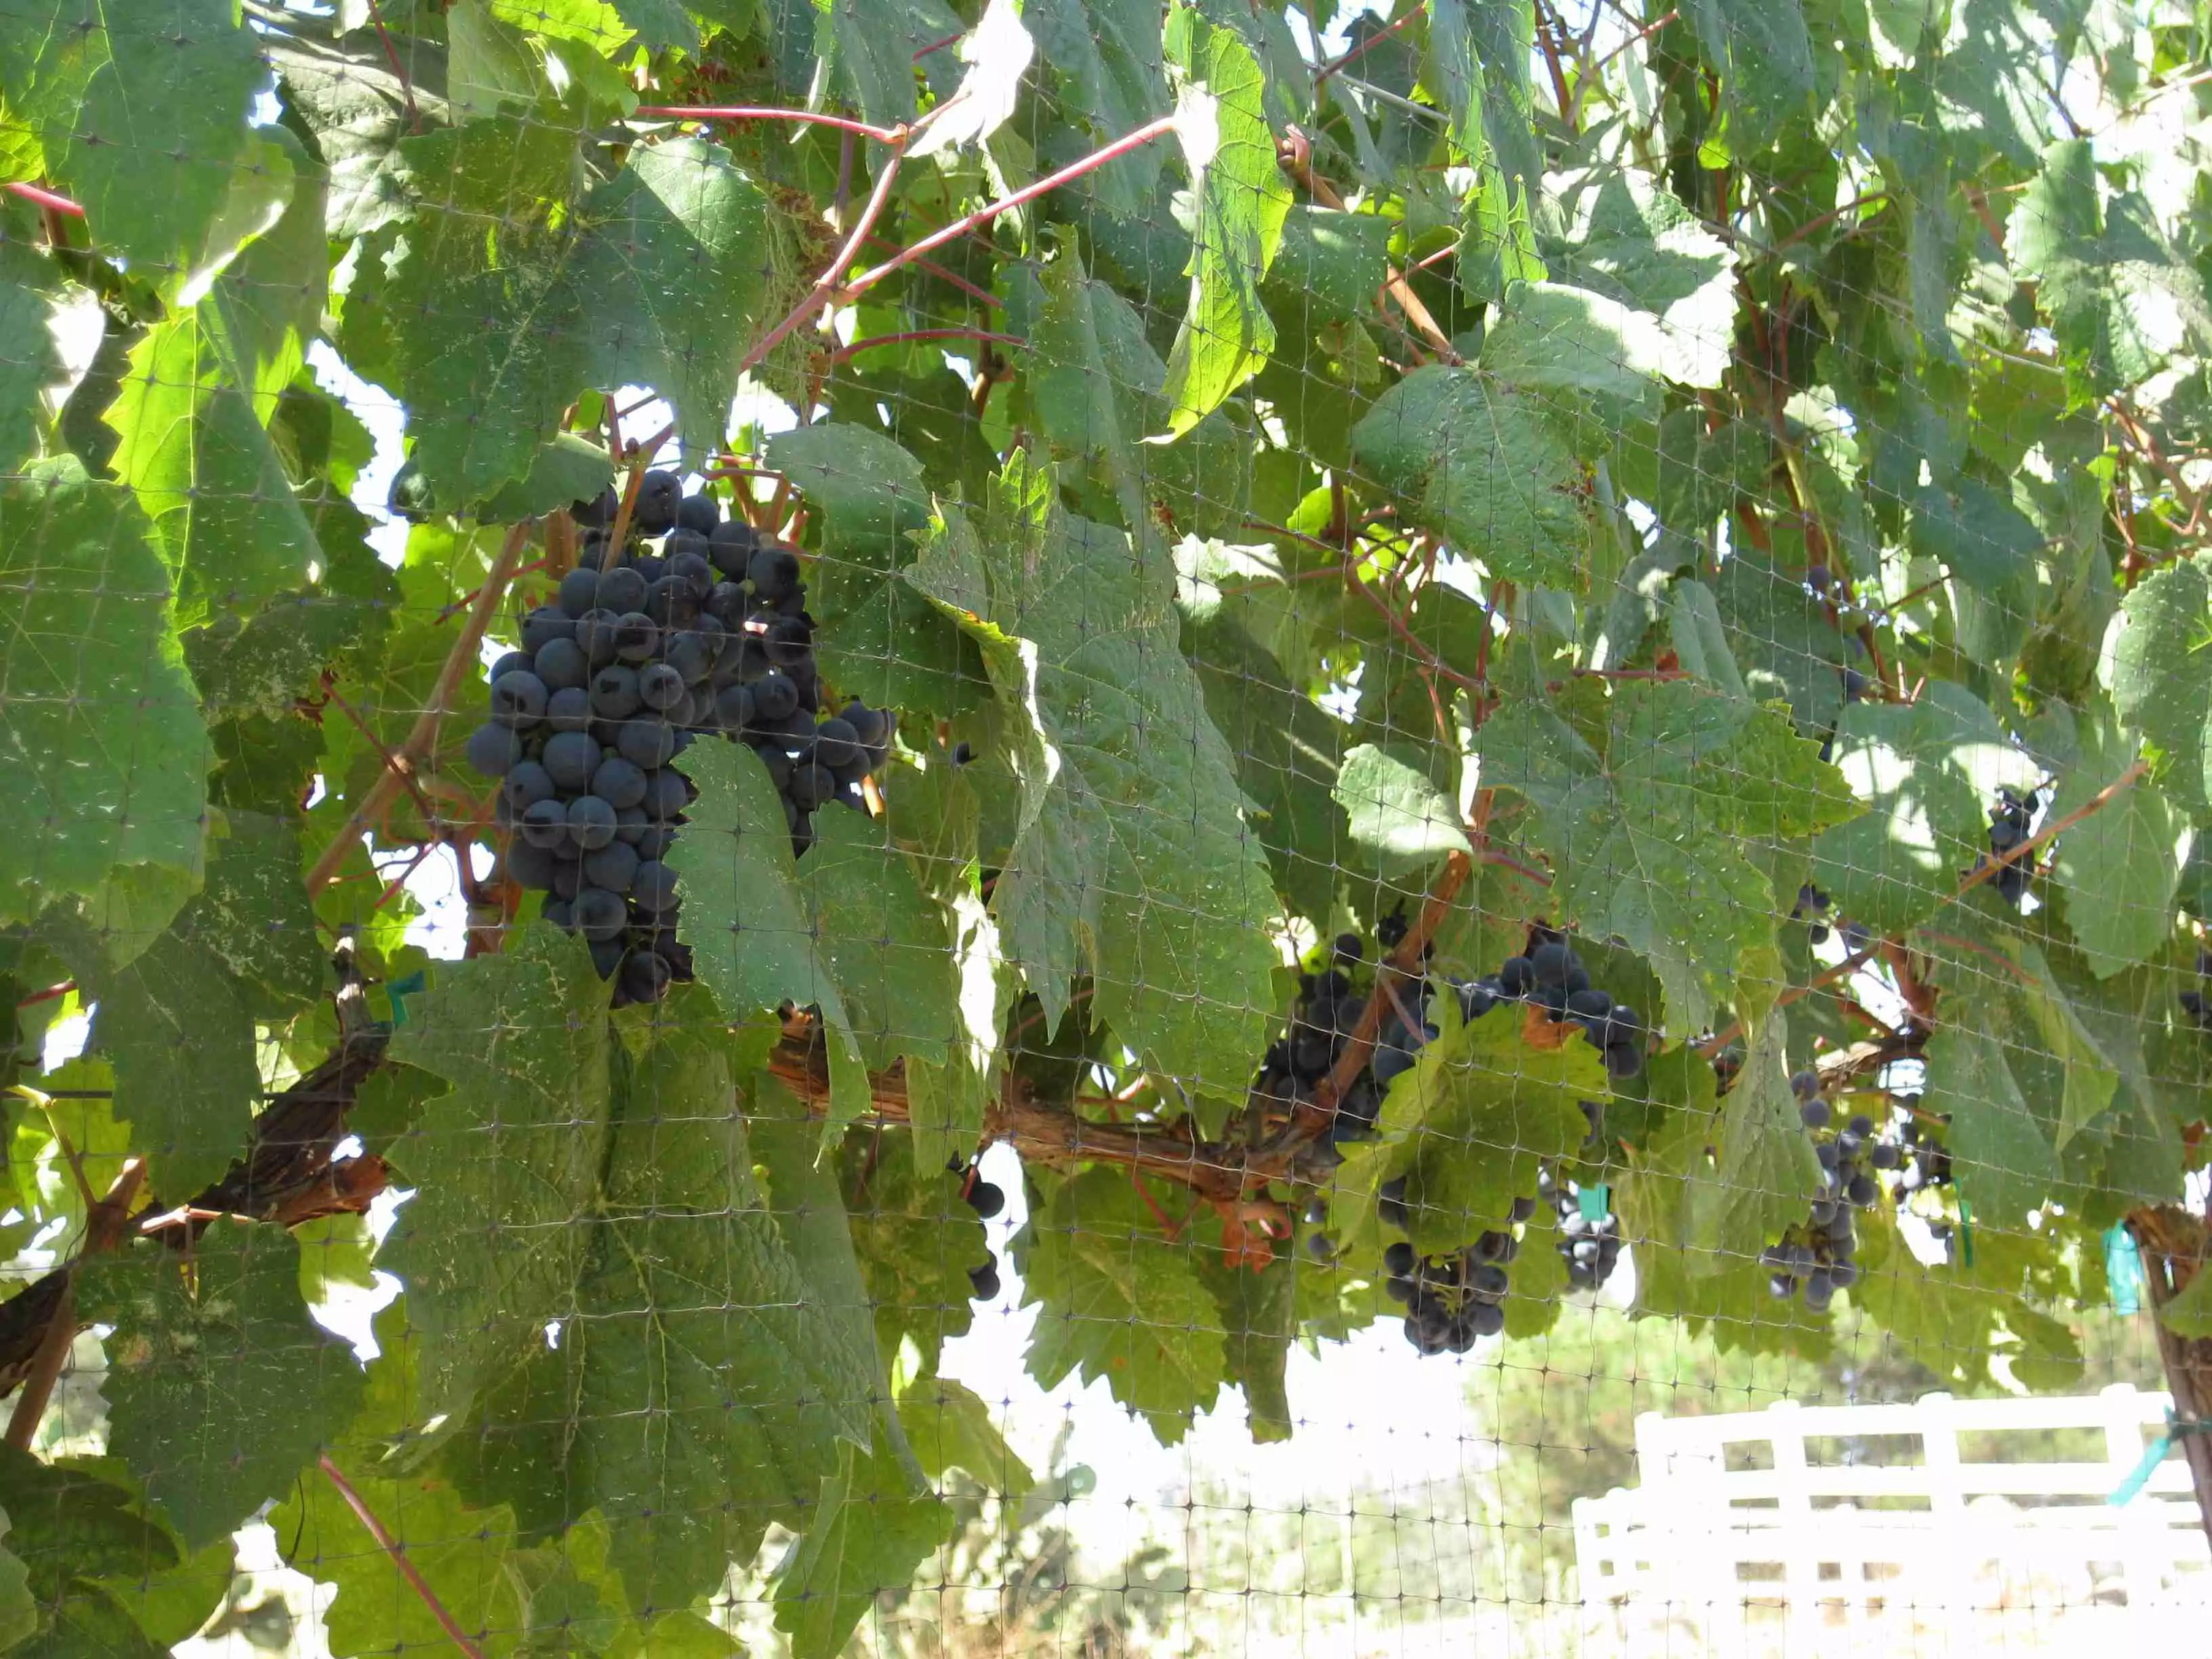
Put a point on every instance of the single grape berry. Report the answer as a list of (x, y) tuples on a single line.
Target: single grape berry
[(986, 1199), (601, 916), (645, 976), (773, 572), (658, 497), (984, 1280), (492, 749)]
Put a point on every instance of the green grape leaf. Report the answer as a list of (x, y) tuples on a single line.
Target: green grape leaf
[(949, 1427), (567, 469), (1096, 388), (2001, 1154), (1764, 55), (871, 1531), (915, 1241), (879, 639), (1242, 199), (488, 335), (1120, 1299), (219, 1387), (140, 110), (2161, 658), (491, 1248), (708, 1383), (1287, 752), (1974, 532), (177, 1029), (34, 299), (745, 915), (1110, 79), (357, 113), (2122, 299), (1644, 834), (68, 1525), (669, 276), (1127, 787), (19, 1613), (1765, 1172), (2121, 864), (1257, 1308), (1483, 465), (460, 1552), (1928, 772), (1396, 816), (1627, 239), (191, 420), (887, 947), (1487, 1103), (868, 48), (99, 722)]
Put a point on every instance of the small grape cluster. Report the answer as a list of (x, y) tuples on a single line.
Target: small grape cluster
[(986, 1199), (1815, 1255), (1590, 1248), (1451, 1301), (1551, 977), (1811, 906), (642, 653), (1924, 1163), (2010, 821), (2196, 1003)]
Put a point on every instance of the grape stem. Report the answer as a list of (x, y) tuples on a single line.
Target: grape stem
[(106, 1223), (398, 1551), (422, 743), (983, 216), (45, 198)]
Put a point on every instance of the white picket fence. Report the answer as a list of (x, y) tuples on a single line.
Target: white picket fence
[(1926, 1529)]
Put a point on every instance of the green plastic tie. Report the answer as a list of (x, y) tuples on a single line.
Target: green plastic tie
[(399, 990), (1596, 1202)]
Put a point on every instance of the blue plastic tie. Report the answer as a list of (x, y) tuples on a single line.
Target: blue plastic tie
[(1596, 1202), (2153, 1454), (2123, 1277)]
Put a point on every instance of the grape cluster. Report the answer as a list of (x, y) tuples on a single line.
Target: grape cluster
[(2008, 827), (1815, 1255), (986, 1199), (1327, 1012), (640, 653), (2196, 1003), (1451, 1301), (1591, 1248)]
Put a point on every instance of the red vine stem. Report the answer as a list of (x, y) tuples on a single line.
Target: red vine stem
[(1344, 59), (950, 278), (766, 112), (422, 740), (45, 198), (984, 215), (984, 334), (825, 285), (392, 1547)]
